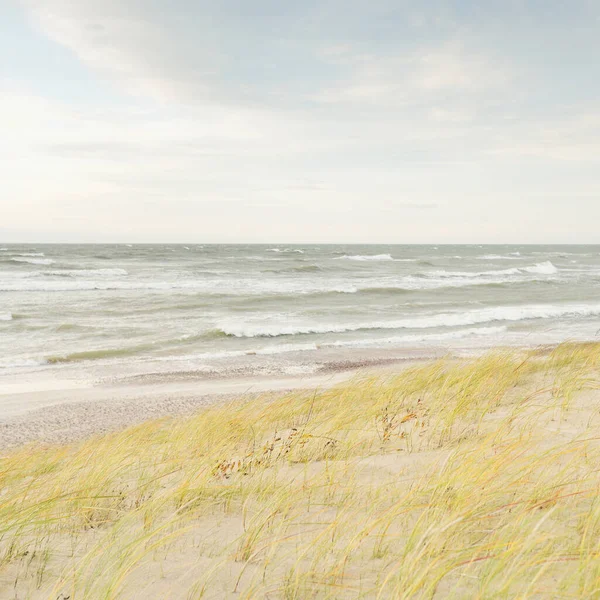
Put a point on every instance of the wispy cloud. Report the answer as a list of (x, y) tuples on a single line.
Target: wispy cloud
[(265, 110)]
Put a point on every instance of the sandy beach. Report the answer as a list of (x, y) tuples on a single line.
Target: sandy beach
[(476, 475), (54, 411)]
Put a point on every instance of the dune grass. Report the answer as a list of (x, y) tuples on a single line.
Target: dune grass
[(453, 479)]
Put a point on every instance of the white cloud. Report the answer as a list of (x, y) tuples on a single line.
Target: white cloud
[(416, 77), (119, 41), (285, 136)]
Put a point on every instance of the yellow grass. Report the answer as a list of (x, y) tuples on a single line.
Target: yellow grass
[(474, 479)]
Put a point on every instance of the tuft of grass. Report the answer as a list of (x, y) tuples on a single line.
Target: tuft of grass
[(451, 479)]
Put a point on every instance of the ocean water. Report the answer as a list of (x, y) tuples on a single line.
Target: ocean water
[(126, 310)]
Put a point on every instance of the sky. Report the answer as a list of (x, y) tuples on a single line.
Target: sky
[(341, 121)]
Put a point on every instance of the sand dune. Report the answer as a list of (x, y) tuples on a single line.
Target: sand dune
[(476, 478)]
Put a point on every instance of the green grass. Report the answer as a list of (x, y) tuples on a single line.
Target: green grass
[(451, 479)]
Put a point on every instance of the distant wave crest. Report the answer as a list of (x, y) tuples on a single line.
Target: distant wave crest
[(497, 257), (87, 273), (32, 261), (545, 268), (286, 250), (364, 258)]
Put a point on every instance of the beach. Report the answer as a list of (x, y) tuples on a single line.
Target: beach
[(478, 476), (55, 411), (87, 325)]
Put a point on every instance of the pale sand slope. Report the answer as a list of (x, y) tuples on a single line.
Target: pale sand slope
[(447, 480), (60, 412)]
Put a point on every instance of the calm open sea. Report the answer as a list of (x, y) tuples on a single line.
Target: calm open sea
[(216, 308)]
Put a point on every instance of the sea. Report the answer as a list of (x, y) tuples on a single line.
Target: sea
[(196, 310)]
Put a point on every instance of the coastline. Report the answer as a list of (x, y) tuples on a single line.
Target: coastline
[(63, 411), (293, 491)]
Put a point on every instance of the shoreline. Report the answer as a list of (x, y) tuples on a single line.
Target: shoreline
[(68, 411), (59, 411)]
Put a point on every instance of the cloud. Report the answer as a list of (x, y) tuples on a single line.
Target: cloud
[(322, 118), (119, 41), (409, 78), (574, 139)]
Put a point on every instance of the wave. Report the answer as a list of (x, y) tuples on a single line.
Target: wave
[(454, 319), (33, 261), (87, 272), (98, 354), (6, 317), (267, 350), (497, 257), (426, 337), (302, 269), (362, 258), (109, 353), (266, 287), (292, 250), (29, 254), (469, 274), (545, 268)]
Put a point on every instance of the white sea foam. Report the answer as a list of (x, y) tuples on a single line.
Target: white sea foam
[(87, 272), (362, 258), (545, 268), (427, 337), (470, 274), (497, 257), (292, 250), (20, 363), (446, 319), (260, 287), (33, 261), (6, 316), (237, 287), (265, 351), (29, 254)]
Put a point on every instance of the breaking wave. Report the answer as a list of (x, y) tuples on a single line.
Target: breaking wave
[(288, 250), (449, 319), (32, 261), (364, 258), (545, 268), (87, 273), (426, 337)]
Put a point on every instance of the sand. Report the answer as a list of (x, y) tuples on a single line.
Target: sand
[(228, 504), (61, 411)]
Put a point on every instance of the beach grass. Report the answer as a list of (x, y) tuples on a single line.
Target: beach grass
[(472, 478)]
